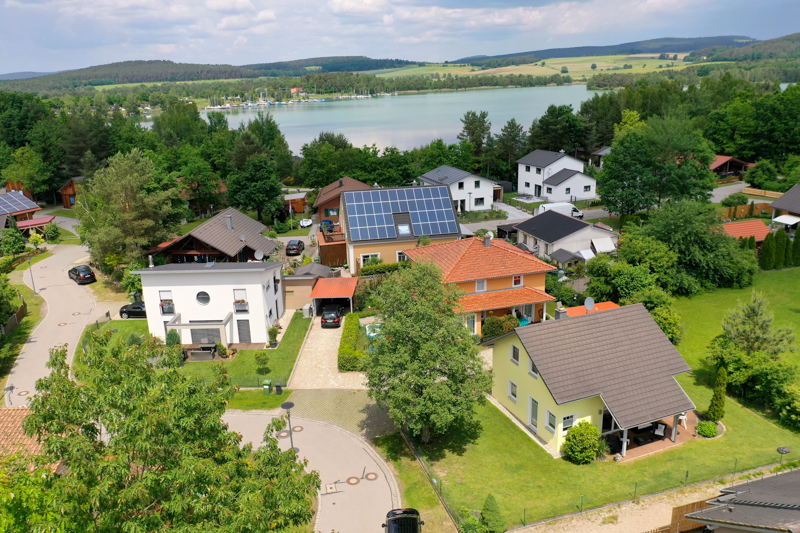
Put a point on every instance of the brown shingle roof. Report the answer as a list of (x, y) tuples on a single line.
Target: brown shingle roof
[(12, 437), (620, 354), (329, 192), (469, 259), (216, 234)]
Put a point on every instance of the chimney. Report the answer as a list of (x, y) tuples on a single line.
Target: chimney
[(229, 222), (150, 258), (376, 186), (487, 241), (561, 312), (341, 182)]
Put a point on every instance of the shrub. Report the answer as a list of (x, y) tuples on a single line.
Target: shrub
[(222, 351), (492, 327), (383, 268), (766, 258), (281, 227), (707, 429), (6, 265), (716, 409), (735, 200), (603, 449), (630, 219), (262, 361), (52, 233), (581, 443), (35, 239), (173, 337), (307, 261), (272, 234), (492, 516), (273, 333), (134, 339), (509, 322), (350, 358)]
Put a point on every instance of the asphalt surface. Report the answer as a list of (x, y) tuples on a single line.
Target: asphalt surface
[(357, 486)]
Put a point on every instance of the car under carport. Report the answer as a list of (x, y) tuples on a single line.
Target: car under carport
[(338, 291)]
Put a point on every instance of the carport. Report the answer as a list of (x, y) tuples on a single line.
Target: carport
[(339, 291)]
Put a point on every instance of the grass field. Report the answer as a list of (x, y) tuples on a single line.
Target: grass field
[(20, 336), (35, 259), (151, 83), (68, 213), (248, 400), (67, 237)]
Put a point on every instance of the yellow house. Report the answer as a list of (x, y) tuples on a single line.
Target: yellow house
[(615, 369), (381, 223), (496, 277)]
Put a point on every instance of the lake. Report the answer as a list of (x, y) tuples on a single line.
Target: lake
[(412, 120)]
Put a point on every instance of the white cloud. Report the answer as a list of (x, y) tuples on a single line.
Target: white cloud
[(166, 48), (388, 19), (234, 22), (229, 6), (266, 14), (357, 7), (240, 41)]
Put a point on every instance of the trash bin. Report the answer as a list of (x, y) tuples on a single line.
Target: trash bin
[(267, 386), (278, 388)]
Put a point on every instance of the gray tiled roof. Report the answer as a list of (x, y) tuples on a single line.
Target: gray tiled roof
[(620, 354), (445, 175), (770, 503), (561, 176), (313, 269), (216, 234), (541, 158), (16, 202), (551, 226), (605, 150), (790, 201), (562, 256)]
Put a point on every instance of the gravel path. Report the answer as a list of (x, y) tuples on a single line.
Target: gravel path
[(317, 367)]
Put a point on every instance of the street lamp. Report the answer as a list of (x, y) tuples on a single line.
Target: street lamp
[(30, 269), (288, 406)]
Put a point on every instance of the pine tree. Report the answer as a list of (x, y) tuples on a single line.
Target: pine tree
[(492, 516), (752, 209), (796, 251), (766, 259), (741, 242), (787, 253), (751, 242), (716, 409), (780, 247)]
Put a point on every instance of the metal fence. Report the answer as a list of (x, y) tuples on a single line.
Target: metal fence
[(253, 381), (15, 319)]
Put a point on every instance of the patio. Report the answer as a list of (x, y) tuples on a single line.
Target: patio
[(641, 445)]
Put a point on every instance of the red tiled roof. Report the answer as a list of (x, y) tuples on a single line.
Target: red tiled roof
[(486, 301), (469, 259), (722, 159), (12, 437), (747, 228), (581, 310), (335, 288), (165, 244), (329, 192), (32, 223)]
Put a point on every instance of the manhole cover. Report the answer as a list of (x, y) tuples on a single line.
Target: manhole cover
[(283, 434), (75, 314), (330, 489), (23, 393), (371, 476), (297, 429), (353, 481), (62, 324)]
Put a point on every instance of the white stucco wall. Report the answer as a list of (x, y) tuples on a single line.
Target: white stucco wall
[(485, 191), (260, 295), (580, 240), (532, 178), (575, 184)]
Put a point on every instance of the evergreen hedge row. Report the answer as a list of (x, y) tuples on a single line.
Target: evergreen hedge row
[(350, 358), (383, 268)]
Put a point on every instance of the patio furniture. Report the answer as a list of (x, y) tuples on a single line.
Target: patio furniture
[(659, 431), (644, 438), (682, 420)]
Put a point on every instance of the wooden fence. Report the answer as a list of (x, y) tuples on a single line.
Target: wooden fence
[(733, 179), (761, 192), (16, 318), (679, 523), (743, 211)]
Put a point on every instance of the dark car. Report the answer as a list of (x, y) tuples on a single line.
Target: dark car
[(403, 521), (81, 274), (332, 316), (326, 225), (295, 247), (134, 310)]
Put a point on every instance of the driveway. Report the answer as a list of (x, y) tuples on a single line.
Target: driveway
[(69, 224), (720, 193), (317, 367), (69, 308), (357, 486)]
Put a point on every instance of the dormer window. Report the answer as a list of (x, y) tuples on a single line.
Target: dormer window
[(516, 281), (480, 285)]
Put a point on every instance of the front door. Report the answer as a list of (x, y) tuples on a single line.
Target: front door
[(537, 190), (462, 206), (243, 326)]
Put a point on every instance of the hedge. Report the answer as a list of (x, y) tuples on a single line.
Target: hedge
[(383, 268), (351, 359), (9, 263)]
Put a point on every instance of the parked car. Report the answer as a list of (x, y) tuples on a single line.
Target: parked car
[(295, 247), (81, 274), (134, 310), (403, 521), (306, 223), (564, 208), (332, 316), (326, 225)]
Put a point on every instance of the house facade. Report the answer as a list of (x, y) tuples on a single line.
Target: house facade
[(496, 278), (614, 369), (468, 191), (16, 204), (69, 191), (328, 202), (542, 170), (549, 232), (213, 302)]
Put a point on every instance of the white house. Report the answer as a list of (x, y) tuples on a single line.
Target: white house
[(564, 238), (213, 302), (554, 177), (469, 192)]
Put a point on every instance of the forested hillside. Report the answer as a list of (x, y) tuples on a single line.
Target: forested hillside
[(327, 64), (787, 47)]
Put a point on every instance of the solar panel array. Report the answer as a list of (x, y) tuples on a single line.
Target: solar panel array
[(370, 214), (14, 202)]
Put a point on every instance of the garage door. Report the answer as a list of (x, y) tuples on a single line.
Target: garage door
[(206, 335), (243, 326)]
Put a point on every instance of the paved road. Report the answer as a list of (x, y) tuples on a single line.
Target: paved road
[(358, 488), (720, 193), (69, 308)]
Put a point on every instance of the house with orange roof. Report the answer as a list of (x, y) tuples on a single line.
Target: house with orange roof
[(725, 165), (496, 278), (747, 229), (579, 310)]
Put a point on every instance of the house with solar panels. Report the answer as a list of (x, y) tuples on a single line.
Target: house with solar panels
[(16, 204), (383, 222)]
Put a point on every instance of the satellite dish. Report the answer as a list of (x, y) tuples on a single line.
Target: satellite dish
[(589, 304), (259, 255), (490, 234), (242, 237)]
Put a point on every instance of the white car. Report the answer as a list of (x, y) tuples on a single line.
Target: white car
[(306, 223)]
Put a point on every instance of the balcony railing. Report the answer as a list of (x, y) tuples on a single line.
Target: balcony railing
[(241, 307), (167, 308), (334, 236)]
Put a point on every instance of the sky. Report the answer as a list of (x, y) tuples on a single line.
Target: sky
[(51, 35)]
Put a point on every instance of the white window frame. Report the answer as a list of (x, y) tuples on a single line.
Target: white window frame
[(533, 422), (527, 184), (481, 204), (165, 295), (547, 425), (512, 387), (403, 258), (474, 317), (521, 281), (532, 369), (587, 188), (574, 417), (378, 255), (477, 184), (478, 286), (549, 190), (240, 292), (538, 170), (514, 348), (527, 168)]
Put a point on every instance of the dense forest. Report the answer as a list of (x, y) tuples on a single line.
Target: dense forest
[(327, 64), (787, 47)]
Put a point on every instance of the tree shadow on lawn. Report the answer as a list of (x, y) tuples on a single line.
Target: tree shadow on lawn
[(454, 441), (376, 421)]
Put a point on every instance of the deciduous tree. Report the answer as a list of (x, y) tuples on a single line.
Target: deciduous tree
[(256, 188), (627, 183), (28, 169)]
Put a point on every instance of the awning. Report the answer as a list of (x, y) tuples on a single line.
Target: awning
[(488, 301), (783, 219), (603, 245), (35, 223), (335, 288), (585, 254), (465, 232)]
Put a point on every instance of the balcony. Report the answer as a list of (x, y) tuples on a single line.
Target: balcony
[(167, 307), (333, 237), (241, 306)]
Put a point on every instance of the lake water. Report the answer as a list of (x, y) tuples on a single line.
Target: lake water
[(409, 121)]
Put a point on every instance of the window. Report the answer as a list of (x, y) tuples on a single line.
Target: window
[(401, 257), (480, 285), (532, 369), (538, 170), (165, 295), (477, 184), (549, 190), (460, 185), (527, 168), (566, 423), (240, 294), (471, 323), (478, 202), (367, 257), (527, 184), (533, 413), (203, 298), (515, 353), (566, 191), (551, 421), (587, 188), (512, 391), (516, 281), (404, 229), (332, 212)]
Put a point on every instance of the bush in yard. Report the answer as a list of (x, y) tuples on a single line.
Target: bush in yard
[(795, 250), (780, 247), (36, 239), (12, 242), (281, 227), (716, 409), (350, 358), (382, 268), (509, 322), (492, 327), (707, 429), (173, 337), (580, 445), (262, 361), (735, 200), (134, 339), (492, 516), (766, 258), (469, 523), (51, 232)]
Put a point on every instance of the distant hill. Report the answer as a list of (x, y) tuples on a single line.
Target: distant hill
[(23, 75), (787, 47), (299, 67), (667, 45)]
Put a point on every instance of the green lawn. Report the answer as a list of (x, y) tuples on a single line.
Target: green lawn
[(243, 366), (35, 259), (67, 237), (123, 327), (69, 213), (20, 336), (256, 399)]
